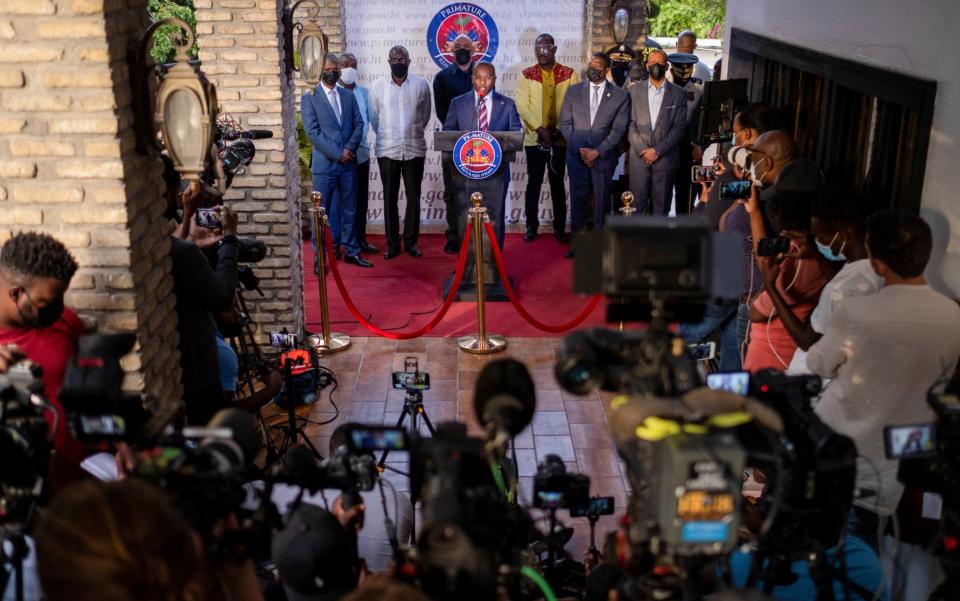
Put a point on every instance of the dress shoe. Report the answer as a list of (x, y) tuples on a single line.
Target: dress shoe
[(530, 235), (413, 251), (562, 237), (367, 247), (451, 247), (358, 261), (568, 254), (393, 251)]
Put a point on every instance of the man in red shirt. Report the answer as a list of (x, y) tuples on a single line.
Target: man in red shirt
[(35, 271)]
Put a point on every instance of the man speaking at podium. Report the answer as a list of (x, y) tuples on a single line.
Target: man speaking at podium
[(486, 110)]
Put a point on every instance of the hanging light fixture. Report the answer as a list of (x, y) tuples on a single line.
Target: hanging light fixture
[(311, 44), (620, 22), (186, 109)]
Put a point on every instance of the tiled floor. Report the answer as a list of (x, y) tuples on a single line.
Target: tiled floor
[(566, 425)]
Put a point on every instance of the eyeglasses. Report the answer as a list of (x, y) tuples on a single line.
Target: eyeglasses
[(544, 49)]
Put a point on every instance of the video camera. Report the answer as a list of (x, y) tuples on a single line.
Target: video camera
[(930, 460), (233, 158), (654, 269), (25, 442)]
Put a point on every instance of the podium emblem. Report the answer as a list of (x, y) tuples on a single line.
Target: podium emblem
[(462, 19), (477, 155)]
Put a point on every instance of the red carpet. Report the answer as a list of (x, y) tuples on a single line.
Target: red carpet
[(403, 294)]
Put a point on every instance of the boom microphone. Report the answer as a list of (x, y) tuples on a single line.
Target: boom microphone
[(505, 397), (250, 134)]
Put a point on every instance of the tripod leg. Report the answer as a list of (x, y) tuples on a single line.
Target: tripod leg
[(426, 420), (383, 458), (306, 441)]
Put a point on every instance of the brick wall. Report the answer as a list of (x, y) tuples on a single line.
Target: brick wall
[(68, 167), (241, 52), (600, 32)]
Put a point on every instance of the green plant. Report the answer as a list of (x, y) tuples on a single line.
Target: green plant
[(162, 50), (667, 18), (304, 150)]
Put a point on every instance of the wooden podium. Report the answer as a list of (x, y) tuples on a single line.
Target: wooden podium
[(492, 188)]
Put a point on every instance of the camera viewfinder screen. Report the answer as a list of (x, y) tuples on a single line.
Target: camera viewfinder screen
[(910, 441), (371, 439), (737, 382)]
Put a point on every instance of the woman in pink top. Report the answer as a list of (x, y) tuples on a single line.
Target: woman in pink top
[(799, 281)]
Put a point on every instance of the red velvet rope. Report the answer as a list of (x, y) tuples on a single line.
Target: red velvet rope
[(502, 269), (461, 265)]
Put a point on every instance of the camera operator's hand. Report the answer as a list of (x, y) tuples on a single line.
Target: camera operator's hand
[(591, 559), (705, 188), (752, 202), (770, 268), (190, 199), (125, 459), (229, 220), (204, 237), (351, 519), (9, 354)]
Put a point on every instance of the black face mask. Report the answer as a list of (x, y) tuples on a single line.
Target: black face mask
[(46, 316), (594, 75), (330, 77), (657, 71), (399, 70), (463, 56)]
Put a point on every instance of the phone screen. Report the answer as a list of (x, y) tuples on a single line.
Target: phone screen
[(209, 218), (703, 351), (916, 440), (411, 381), (735, 190), (737, 382)]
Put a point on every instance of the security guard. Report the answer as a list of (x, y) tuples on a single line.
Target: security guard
[(681, 69)]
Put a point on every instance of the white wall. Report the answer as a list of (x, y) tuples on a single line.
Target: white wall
[(919, 38)]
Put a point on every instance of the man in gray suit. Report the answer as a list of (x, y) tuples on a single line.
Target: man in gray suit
[(658, 122), (593, 119)]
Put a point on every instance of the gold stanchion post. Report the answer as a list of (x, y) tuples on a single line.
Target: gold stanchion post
[(325, 342), (480, 343), (627, 209)]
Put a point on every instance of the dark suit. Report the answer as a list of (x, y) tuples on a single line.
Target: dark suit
[(447, 85), (462, 116), (655, 182), (330, 137), (606, 131)]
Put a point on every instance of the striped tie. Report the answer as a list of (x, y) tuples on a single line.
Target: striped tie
[(482, 119)]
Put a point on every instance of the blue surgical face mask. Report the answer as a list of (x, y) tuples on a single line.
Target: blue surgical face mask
[(827, 249)]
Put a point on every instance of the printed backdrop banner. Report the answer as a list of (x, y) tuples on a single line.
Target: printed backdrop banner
[(503, 29)]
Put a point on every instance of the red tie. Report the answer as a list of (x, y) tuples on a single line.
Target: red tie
[(482, 119)]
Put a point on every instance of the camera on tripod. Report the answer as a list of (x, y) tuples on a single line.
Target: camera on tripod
[(554, 488)]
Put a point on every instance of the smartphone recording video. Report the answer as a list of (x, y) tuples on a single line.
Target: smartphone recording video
[(771, 247), (411, 381), (209, 218), (283, 340), (735, 190), (699, 173)]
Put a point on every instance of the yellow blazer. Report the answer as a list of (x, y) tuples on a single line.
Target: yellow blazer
[(530, 97)]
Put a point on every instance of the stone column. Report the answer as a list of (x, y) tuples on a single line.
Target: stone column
[(68, 167), (241, 48)]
